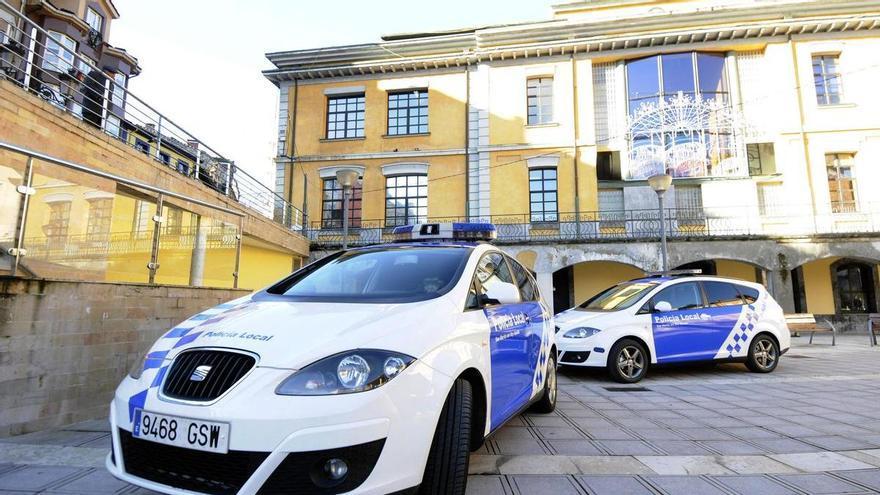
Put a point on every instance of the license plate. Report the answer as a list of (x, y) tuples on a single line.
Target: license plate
[(195, 434)]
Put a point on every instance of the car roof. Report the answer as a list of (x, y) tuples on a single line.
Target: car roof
[(686, 278)]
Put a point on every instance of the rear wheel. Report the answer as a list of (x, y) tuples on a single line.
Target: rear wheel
[(547, 403), (447, 466), (763, 354), (627, 361)]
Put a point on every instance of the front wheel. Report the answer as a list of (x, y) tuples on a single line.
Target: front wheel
[(627, 361), (547, 403), (447, 467), (763, 354)]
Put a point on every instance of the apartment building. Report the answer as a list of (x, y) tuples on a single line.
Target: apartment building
[(765, 113)]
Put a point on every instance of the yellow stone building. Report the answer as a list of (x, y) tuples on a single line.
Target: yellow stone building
[(766, 114)]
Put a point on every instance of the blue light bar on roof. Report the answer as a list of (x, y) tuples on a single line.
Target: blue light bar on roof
[(448, 231)]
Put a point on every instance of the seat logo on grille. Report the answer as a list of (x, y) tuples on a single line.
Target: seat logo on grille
[(200, 373)]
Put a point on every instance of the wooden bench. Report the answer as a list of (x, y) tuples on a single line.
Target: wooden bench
[(873, 327), (806, 322)]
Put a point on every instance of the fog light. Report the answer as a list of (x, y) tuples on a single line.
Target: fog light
[(335, 469)]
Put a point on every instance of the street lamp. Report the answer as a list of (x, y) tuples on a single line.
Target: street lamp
[(660, 184), (346, 178)]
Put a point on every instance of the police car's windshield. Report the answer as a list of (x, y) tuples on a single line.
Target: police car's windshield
[(619, 297), (384, 275)]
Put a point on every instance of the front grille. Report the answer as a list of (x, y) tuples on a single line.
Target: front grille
[(302, 472), (226, 369), (205, 472)]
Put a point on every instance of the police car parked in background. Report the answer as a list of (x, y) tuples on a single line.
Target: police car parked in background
[(374, 370), (673, 319)]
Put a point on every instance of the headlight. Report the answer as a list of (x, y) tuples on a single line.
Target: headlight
[(346, 373), (137, 368), (581, 332)]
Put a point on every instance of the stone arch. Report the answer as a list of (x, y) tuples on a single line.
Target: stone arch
[(574, 284)]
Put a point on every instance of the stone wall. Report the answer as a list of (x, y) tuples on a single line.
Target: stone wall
[(64, 346)]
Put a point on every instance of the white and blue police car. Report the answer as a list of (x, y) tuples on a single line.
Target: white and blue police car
[(679, 317), (374, 370)]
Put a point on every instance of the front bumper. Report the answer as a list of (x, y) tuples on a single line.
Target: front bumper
[(586, 352), (288, 436)]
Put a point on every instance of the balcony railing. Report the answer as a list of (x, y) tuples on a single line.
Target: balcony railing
[(639, 225), (80, 88)]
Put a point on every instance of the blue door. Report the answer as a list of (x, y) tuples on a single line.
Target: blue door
[(512, 340), (695, 328)]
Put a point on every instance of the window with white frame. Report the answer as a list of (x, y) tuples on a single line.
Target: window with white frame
[(119, 89), (59, 52), (826, 77), (539, 99), (611, 204), (841, 182), (689, 205), (770, 199), (112, 125), (94, 19)]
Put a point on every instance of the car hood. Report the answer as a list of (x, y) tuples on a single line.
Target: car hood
[(288, 334), (572, 318)]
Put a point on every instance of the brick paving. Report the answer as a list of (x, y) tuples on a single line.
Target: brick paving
[(811, 427)]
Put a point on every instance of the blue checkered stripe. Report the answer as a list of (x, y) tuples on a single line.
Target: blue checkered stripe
[(541, 368), (737, 342), (182, 334)]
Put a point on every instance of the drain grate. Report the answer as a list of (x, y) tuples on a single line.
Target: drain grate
[(798, 356), (627, 389)]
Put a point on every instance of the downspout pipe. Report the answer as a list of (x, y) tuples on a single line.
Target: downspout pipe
[(467, 142), (574, 145), (802, 130)]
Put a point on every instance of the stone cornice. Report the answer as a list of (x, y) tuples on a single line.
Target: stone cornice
[(562, 37)]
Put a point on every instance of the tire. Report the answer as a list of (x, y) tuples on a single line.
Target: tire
[(447, 467), (547, 403), (628, 361), (763, 354)]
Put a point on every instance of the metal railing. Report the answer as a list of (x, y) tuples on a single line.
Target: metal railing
[(68, 252), (76, 85), (636, 225)]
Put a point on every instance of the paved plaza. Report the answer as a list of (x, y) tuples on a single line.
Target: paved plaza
[(812, 427)]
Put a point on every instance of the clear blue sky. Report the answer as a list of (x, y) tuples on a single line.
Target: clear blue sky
[(202, 59)]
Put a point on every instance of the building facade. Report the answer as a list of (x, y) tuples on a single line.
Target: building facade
[(763, 112)]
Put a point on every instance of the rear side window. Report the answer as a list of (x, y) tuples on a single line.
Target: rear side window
[(527, 288), (720, 294), (682, 296), (749, 294)]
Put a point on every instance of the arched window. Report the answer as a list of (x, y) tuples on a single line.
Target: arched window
[(854, 287)]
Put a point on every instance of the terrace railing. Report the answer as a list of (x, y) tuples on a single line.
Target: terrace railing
[(63, 77), (636, 225)]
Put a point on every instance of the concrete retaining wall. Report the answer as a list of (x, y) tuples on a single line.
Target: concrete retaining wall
[(64, 346)]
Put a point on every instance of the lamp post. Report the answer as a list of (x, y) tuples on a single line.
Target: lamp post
[(346, 178), (660, 184)]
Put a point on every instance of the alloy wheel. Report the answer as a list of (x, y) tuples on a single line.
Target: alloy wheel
[(631, 362)]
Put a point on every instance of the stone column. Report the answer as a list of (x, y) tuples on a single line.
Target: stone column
[(545, 285), (200, 245), (780, 287)]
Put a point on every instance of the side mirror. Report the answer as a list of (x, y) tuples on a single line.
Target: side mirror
[(501, 293), (662, 307)]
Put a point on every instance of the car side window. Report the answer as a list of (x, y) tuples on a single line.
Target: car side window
[(527, 287), (749, 294), (721, 294), (491, 269), (681, 296)]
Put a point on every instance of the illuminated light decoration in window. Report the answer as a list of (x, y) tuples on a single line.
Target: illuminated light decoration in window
[(680, 118), (686, 136)]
